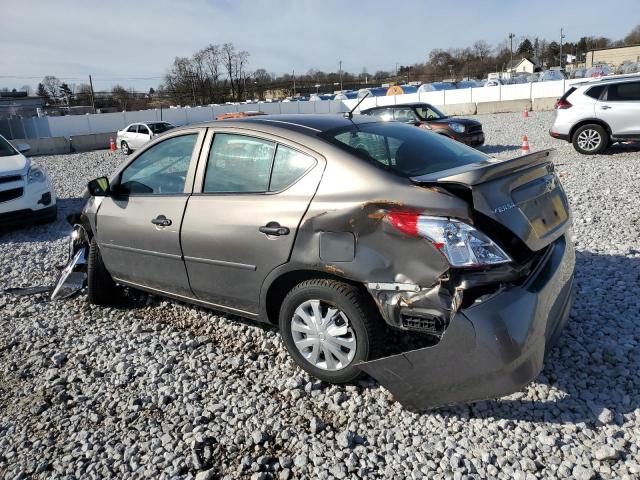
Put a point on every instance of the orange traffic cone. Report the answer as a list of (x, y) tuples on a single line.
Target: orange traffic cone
[(525, 113), (525, 145), (112, 144)]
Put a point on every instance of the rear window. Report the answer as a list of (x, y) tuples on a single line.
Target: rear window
[(595, 92), (567, 93), (403, 149)]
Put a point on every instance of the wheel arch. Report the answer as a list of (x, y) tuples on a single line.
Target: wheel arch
[(588, 121), (279, 283)]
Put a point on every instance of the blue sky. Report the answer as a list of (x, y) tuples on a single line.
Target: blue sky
[(133, 43)]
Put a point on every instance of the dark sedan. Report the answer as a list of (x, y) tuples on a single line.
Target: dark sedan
[(427, 116), (341, 230)]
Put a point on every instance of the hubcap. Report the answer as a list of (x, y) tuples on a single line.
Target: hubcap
[(589, 140), (124, 148), (323, 336)]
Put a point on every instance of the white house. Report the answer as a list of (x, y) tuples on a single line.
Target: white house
[(524, 65)]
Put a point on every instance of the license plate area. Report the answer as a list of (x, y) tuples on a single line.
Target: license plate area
[(542, 203)]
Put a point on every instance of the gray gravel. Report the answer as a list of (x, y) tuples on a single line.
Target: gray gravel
[(166, 390)]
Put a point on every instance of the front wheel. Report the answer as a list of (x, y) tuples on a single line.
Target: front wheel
[(328, 328), (590, 139), (102, 290), (124, 146)]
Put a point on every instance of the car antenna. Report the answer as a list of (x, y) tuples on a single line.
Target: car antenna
[(349, 114)]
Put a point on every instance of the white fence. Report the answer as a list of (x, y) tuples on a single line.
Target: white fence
[(72, 125)]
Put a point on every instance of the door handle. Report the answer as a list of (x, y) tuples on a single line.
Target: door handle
[(605, 107), (161, 221), (274, 228)]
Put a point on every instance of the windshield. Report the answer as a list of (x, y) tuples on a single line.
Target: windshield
[(403, 149), (429, 112), (160, 127), (6, 150)]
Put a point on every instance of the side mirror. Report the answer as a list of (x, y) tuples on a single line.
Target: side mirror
[(99, 187), (23, 147)]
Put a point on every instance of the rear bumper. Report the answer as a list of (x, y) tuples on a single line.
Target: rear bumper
[(561, 136), (490, 349)]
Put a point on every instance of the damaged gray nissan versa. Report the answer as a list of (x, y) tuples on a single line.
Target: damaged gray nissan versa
[(342, 230)]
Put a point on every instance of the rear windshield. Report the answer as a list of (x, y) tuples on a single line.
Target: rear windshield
[(160, 127), (403, 149), (6, 150)]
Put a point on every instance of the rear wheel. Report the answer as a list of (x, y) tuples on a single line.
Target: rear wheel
[(590, 139), (102, 290), (124, 146), (328, 328)]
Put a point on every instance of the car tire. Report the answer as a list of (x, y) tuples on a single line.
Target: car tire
[(590, 139), (124, 147), (102, 290), (363, 327)]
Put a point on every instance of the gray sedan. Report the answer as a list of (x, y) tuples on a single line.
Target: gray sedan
[(343, 231)]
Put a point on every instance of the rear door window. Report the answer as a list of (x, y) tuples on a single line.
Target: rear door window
[(289, 165), (405, 115), (624, 92), (143, 130), (132, 129), (238, 164)]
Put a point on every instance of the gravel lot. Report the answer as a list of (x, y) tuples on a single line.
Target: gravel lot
[(166, 390)]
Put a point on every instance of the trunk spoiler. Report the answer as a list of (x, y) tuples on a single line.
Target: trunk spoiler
[(490, 169)]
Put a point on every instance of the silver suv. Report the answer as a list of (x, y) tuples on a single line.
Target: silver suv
[(592, 115)]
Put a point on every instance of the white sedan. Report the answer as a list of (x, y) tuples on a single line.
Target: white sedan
[(136, 135), (25, 189)]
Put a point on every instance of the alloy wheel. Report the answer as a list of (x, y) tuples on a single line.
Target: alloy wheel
[(589, 140), (323, 336)]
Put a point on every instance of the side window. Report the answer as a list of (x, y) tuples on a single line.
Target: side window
[(142, 129), (289, 165), (160, 170), (238, 164), (385, 114), (132, 129), (621, 92), (404, 115), (593, 92)]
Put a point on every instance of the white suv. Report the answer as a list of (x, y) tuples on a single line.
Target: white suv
[(592, 115)]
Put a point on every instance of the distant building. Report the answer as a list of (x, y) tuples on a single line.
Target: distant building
[(614, 56), (18, 104), (523, 65)]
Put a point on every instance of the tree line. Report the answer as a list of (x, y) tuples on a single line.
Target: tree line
[(220, 73)]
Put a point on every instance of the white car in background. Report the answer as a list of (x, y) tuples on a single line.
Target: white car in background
[(25, 190), (136, 135)]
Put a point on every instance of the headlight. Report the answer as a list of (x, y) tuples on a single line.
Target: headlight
[(456, 127), (461, 244), (36, 175)]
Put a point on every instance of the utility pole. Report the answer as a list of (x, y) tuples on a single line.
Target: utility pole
[(396, 69), (562, 35), (511, 37), (340, 70), (294, 83), (93, 98)]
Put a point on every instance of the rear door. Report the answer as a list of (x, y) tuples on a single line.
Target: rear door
[(620, 108), (138, 224), (250, 194)]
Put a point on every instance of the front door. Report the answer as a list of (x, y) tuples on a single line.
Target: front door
[(620, 108), (138, 224), (241, 222)]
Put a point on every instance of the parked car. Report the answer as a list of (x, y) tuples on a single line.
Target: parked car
[(338, 229), (26, 194), (578, 73), (133, 136), (427, 116), (493, 82), (230, 115), (599, 70), (592, 115), (552, 75)]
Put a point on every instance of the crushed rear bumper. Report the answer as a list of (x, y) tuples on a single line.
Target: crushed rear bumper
[(490, 349)]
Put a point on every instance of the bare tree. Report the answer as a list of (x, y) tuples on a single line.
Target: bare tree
[(51, 86)]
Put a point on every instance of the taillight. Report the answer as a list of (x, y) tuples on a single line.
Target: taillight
[(461, 244), (406, 222), (562, 104)]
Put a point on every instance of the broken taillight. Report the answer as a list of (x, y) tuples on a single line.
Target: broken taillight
[(562, 104), (461, 244)]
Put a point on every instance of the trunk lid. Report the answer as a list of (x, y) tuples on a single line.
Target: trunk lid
[(523, 194)]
